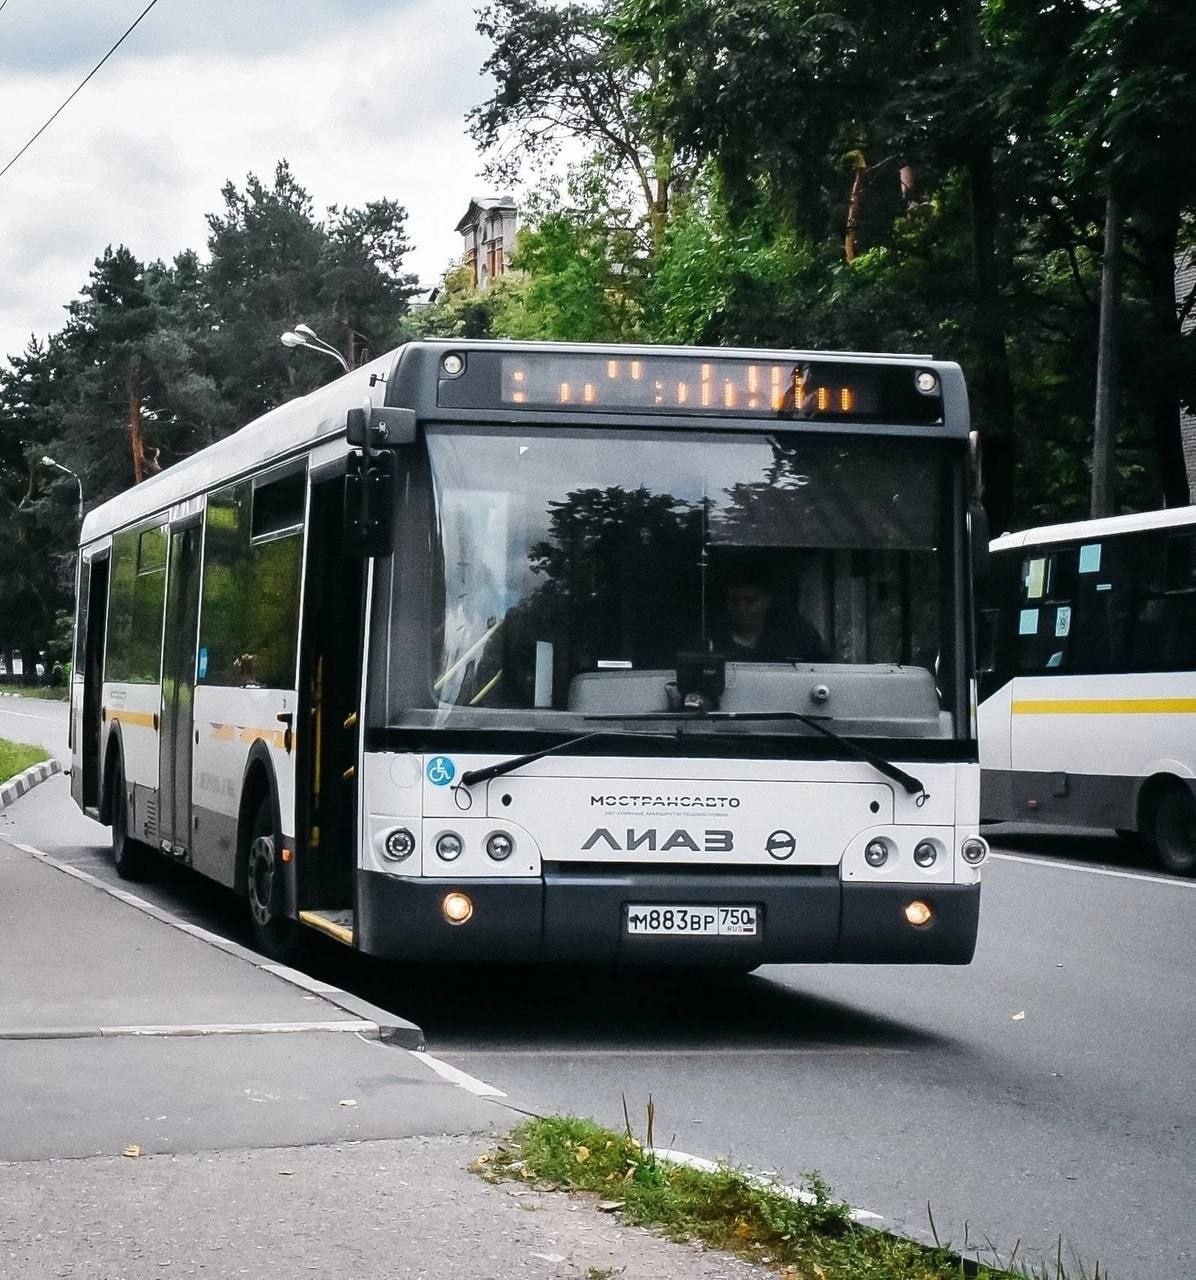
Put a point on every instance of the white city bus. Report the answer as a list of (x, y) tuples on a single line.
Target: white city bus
[(1088, 716), (430, 660)]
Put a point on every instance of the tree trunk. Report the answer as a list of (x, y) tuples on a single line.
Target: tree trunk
[(136, 439), (993, 383), (1104, 430), (1158, 245)]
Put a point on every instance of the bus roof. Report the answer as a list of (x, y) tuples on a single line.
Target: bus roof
[(302, 423), (1103, 528)]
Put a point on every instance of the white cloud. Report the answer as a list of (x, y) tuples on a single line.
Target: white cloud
[(139, 158)]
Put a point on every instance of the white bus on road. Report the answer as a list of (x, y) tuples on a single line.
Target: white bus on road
[(499, 651), (1088, 712)]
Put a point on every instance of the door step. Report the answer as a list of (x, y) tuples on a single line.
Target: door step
[(336, 924)]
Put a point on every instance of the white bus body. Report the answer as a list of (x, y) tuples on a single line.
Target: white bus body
[(293, 657), (1089, 711)]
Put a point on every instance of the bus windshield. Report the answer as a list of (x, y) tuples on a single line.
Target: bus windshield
[(560, 573)]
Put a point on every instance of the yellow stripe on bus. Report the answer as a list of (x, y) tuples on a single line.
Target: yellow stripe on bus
[(1104, 706), (145, 719)]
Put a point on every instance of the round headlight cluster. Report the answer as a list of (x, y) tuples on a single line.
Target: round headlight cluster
[(876, 853), (397, 844), (500, 846), (449, 846), (974, 850), (925, 853)]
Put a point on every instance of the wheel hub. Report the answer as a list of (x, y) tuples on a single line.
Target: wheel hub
[(261, 879)]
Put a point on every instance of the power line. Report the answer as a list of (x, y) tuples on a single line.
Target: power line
[(2, 4), (79, 86)]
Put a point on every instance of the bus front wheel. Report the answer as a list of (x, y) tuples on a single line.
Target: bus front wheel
[(275, 934), (1174, 831), (131, 857)]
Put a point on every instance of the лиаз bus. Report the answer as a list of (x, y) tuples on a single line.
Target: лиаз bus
[(1088, 717), (428, 660)]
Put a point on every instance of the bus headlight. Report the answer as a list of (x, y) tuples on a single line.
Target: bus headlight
[(456, 908), (500, 846), (876, 853), (919, 914), (925, 853), (397, 844), (449, 846), (974, 850)]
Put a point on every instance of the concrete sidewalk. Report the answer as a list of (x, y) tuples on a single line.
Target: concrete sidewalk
[(173, 1107)]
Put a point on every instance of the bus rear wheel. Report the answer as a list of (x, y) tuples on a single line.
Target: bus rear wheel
[(131, 858), (274, 933), (1174, 831)]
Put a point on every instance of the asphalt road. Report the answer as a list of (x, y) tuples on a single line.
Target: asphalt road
[(1042, 1092), (42, 722)]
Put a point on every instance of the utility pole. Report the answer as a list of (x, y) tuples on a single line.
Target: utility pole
[(1104, 430)]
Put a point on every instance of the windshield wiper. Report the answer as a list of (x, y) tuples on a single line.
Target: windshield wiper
[(471, 776), (912, 785)]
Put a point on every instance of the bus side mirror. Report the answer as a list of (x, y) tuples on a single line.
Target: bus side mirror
[(978, 536), (370, 495), (373, 427)]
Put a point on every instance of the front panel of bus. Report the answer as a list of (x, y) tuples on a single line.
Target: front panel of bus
[(702, 783)]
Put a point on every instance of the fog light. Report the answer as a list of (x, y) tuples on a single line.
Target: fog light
[(876, 854), (974, 850), (449, 846), (926, 382), (398, 844), (925, 853), (500, 846), (452, 365), (919, 914), (456, 908)]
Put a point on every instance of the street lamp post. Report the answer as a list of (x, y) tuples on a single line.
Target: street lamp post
[(304, 336), (47, 461)]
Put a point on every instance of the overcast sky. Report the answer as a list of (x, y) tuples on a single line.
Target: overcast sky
[(365, 98)]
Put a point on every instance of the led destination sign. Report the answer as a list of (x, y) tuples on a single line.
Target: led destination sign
[(677, 384)]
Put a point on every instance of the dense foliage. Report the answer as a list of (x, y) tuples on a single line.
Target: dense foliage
[(854, 174)]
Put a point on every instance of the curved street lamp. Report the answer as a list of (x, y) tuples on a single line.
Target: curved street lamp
[(305, 336), (47, 461)]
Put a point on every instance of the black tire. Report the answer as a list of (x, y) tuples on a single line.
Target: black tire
[(275, 934), (132, 858), (1174, 831)]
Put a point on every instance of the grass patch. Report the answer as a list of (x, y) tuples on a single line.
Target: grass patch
[(16, 757), (48, 692), (812, 1238)]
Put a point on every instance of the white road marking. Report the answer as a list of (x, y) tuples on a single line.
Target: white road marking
[(1095, 871), (454, 1075), (714, 1052)]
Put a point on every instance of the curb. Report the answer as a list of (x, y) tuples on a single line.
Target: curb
[(16, 787), (380, 1023)]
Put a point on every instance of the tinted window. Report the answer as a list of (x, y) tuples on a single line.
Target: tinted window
[(250, 612), (135, 606)]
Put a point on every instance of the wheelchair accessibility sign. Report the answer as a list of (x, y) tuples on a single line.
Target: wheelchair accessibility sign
[(441, 771)]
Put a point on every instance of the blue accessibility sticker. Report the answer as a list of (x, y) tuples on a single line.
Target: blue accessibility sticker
[(441, 771)]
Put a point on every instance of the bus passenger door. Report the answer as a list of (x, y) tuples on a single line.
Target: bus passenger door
[(330, 689), (87, 679), (178, 689)]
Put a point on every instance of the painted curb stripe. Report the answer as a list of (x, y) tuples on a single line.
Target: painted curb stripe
[(24, 782)]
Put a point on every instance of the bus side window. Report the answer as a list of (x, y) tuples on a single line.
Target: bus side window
[(1045, 614)]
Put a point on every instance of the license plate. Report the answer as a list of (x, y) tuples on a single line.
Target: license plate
[(700, 922)]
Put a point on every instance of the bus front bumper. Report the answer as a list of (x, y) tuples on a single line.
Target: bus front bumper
[(578, 917)]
